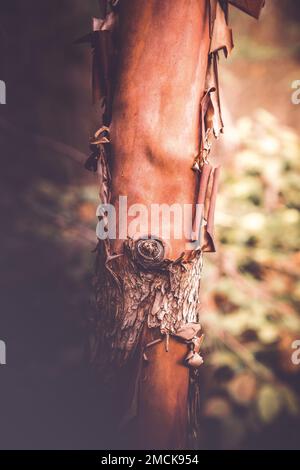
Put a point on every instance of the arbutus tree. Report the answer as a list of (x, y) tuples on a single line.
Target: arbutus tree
[(155, 75)]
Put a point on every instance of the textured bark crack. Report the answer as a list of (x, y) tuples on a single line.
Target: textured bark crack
[(129, 296)]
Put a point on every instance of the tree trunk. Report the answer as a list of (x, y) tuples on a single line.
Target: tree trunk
[(155, 67)]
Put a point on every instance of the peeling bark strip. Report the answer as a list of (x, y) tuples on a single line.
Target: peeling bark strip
[(251, 7)]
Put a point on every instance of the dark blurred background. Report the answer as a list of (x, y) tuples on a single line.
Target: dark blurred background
[(48, 396)]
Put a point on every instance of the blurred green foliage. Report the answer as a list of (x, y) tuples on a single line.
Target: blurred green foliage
[(251, 287)]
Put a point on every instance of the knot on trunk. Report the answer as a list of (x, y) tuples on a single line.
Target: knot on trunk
[(149, 252)]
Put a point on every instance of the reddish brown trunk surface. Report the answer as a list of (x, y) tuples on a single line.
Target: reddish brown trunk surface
[(162, 418), (155, 138), (155, 126)]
